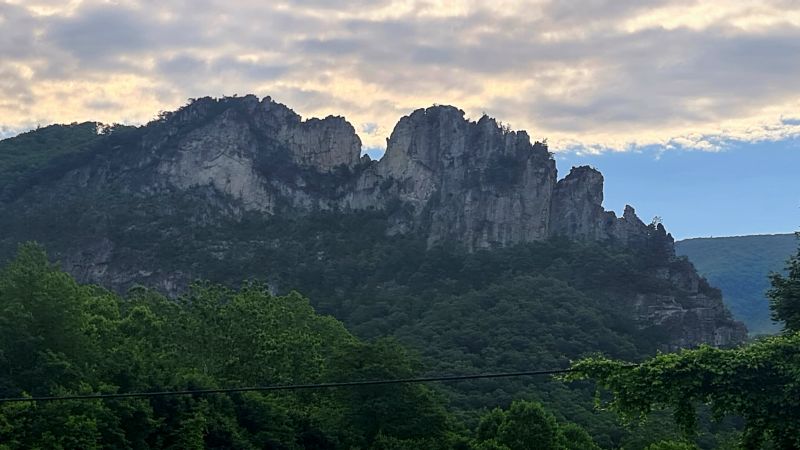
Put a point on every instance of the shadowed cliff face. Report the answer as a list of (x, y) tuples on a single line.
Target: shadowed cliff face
[(214, 162), (476, 183), (471, 182)]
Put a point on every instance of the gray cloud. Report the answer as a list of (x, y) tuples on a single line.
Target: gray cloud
[(186, 66), (369, 127), (341, 5), (101, 32), (563, 13), (565, 67), (17, 40), (6, 132), (15, 93), (103, 104)]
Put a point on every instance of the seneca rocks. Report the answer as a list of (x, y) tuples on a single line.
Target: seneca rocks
[(473, 182)]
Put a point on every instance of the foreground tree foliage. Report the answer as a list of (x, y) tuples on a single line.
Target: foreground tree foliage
[(526, 425), (785, 294), (759, 382), (61, 338)]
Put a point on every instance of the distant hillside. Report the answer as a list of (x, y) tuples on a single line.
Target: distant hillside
[(739, 266), (26, 156)]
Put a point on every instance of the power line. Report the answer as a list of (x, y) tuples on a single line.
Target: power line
[(285, 387)]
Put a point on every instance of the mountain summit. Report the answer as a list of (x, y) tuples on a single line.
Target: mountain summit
[(477, 183), (131, 205)]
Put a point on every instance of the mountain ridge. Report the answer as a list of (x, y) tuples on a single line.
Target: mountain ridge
[(739, 266), (124, 201)]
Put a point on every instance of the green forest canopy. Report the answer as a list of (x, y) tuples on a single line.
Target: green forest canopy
[(58, 337), (530, 306)]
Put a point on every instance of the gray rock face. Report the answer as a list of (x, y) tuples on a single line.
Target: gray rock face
[(696, 319), (696, 315), (259, 153), (321, 144), (220, 155), (577, 212), (472, 182)]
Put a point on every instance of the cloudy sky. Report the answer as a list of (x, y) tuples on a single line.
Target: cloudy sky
[(591, 75)]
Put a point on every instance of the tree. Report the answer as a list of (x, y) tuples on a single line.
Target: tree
[(41, 325), (784, 296), (399, 411), (671, 445), (759, 382), (576, 438), (58, 338), (527, 425)]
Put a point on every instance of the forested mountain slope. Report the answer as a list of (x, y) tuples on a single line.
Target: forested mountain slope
[(739, 266), (161, 204), (62, 338), (461, 242)]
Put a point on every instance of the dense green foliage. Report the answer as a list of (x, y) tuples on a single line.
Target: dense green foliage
[(759, 382), (739, 267), (58, 337), (531, 306), (671, 445), (785, 294), (526, 425), (23, 155)]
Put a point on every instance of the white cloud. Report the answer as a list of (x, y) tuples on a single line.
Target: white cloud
[(600, 74)]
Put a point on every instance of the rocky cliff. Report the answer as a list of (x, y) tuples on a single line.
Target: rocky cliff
[(473, 182), (223, 161)]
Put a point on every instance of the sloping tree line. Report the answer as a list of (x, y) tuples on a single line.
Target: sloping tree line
[(759, 382), (58, 337)]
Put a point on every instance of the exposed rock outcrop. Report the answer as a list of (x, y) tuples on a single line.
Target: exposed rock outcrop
[(221, 155), (577, 207), (473, 182), (695, 314), (577, 212), (260, 153)]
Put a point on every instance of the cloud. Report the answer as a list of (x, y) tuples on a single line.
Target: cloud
[(18, 37), (599, 74), (15, 89), (6, 132)]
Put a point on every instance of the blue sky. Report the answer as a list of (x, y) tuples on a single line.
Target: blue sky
[(747, 188)]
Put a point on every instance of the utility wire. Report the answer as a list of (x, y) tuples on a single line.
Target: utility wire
[(285, 387)]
